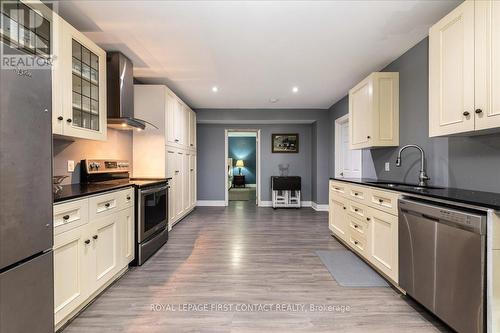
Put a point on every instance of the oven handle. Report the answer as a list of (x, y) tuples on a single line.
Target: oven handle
[(154, 190)]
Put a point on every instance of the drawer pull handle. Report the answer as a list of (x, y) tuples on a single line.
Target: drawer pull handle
[(66, 217), (355, 193), (87, 241), (95, 237), (380, 200), (107, 204)]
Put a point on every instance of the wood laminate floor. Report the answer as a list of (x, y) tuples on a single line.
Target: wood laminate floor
[(243, 255)]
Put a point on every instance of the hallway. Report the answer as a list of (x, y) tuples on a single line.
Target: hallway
[(239, 256)]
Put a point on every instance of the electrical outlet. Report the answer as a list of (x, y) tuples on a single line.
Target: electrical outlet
[(387, 166), (71, 165)]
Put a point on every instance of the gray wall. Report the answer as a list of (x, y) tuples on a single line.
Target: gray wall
[(463, 162), (210, 159), (117, 146), (316, 119)]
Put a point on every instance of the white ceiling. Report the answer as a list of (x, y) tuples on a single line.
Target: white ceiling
[(254, 51)]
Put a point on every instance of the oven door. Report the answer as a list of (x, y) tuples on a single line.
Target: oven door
[(152, 212)]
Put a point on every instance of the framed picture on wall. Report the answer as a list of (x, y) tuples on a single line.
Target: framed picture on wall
[(285, 143)]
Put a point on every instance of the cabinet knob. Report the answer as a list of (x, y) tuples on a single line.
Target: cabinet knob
[(107, 204), (368, 137), (478, 111), (69, 120), (66, 217), (128, 197), (60, 118), (356, 242), (176, 140), (344, 207), (368, 219), (380, 200), (355, 209), (355, 227), (466, 113), (87, 241), (355, 194), (95, 237), (191, 144)]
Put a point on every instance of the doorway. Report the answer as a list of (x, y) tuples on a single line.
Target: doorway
[(347, 161), (242, 166)]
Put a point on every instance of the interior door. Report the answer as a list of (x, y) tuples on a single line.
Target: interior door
[(451, 72), (348, 161), (487, 66)]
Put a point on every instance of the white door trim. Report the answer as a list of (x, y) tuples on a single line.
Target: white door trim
[(338, 169), (226, 152)]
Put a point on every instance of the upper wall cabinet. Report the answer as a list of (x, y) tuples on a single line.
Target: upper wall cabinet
[(79, 85), (464, 72), (374, 111)]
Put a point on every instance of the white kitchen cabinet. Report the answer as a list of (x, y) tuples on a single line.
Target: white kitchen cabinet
[(451, 72), (106, 246), (71, 271), (366, 220), (91, 254), (338, 216), (463, 73), (487, 66), (167, 151), (383, 242), (374, 111), (192, 180), (79, 85)]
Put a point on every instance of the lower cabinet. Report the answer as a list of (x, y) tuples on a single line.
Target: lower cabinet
[(89, 255), (366, 226)]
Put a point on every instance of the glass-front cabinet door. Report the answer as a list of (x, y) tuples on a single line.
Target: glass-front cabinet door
[(83, 86)]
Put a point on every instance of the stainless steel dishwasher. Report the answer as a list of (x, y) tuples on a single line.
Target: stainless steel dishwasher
[(442, 261)]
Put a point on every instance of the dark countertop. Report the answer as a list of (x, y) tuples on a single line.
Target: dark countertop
[(74, 191), (471, 197)]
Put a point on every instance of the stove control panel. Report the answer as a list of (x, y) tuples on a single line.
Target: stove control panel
[(105, 166)]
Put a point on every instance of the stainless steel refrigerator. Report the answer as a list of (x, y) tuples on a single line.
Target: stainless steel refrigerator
[(26, 233)]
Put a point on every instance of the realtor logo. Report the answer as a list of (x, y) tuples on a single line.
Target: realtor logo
[(25, 32)]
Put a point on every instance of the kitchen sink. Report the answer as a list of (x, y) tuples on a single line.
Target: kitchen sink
[(403, 185)]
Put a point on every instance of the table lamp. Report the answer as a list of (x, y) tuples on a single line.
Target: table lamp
[(239, 165)]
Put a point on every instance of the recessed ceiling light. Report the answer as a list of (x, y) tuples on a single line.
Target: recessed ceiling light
[(215, 89), (295, 90)]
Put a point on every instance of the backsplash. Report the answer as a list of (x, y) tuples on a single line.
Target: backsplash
[(117, 146)]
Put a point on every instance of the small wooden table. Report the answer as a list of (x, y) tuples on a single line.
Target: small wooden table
[(239, 180)]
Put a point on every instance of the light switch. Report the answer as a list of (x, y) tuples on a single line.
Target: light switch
[(71, 165), (387, 166)]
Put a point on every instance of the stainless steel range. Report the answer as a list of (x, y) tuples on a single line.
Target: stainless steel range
[(151, 202)]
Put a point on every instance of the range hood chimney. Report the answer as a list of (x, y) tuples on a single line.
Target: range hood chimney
[(120, 91)]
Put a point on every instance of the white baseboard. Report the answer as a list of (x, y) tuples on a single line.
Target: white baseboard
[(319, 207), (270, 204), (210, 203)]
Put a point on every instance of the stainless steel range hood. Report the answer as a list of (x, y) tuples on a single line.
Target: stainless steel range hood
[(120, 91)]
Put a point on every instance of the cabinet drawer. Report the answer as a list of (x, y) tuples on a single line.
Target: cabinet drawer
[(386, 201), (355, 209), (358, 243), (338, 188), (126, 198), (70, 215), (358, 226), (359, 193), (103, 205)]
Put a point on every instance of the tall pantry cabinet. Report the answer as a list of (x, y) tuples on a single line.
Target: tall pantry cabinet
[(170, 150)]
